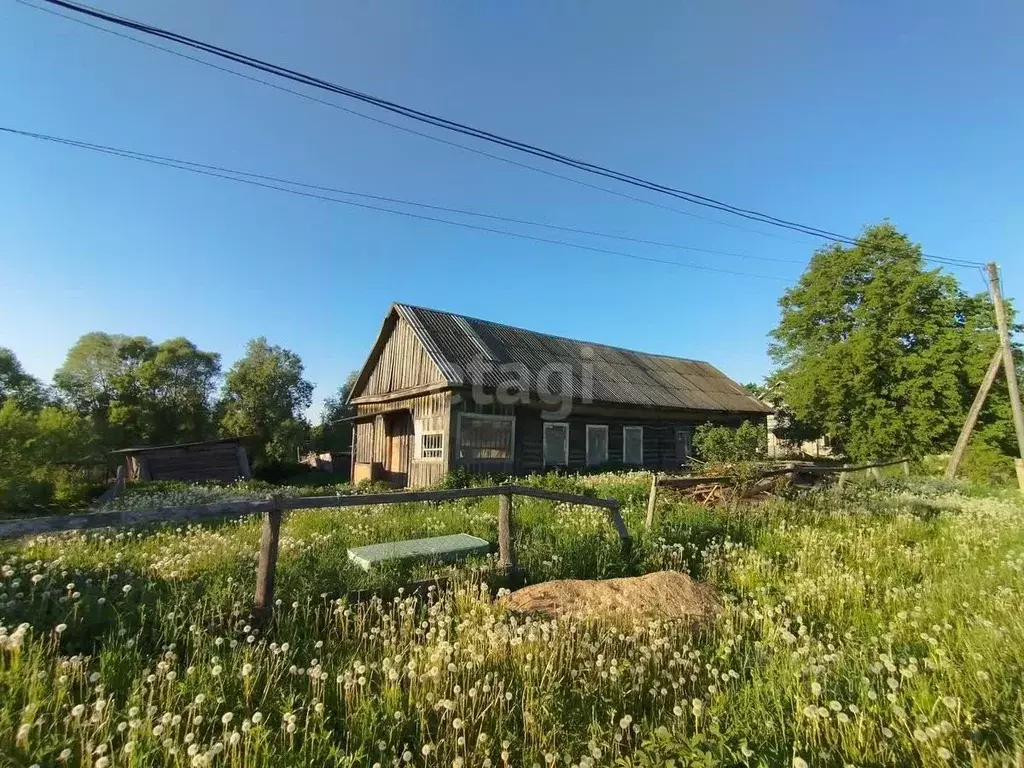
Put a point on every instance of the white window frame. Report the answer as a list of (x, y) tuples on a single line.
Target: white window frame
[(604, 459), (633, 463), (421, 451), (511, 419), (544, 442)]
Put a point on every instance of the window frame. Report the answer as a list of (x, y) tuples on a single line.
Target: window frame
[(510, 418), (624, 430), (606, 441), (544, 442), (688, 431), (421, 449)]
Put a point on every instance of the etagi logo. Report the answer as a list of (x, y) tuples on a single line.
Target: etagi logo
[(556, 386)]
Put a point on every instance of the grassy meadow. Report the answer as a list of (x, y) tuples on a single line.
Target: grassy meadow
[(880, 625)]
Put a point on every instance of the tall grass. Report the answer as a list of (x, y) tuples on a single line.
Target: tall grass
[(875, 628)]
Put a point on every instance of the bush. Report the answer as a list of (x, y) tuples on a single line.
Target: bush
[(987, 465), (717, 443)]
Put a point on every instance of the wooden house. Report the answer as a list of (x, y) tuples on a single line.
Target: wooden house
[(222, 460), (440, 391)]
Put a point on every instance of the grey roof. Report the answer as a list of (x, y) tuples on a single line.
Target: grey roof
[(470, 351)]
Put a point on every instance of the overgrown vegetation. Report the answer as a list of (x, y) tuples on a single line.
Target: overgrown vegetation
[(114, 391), (877, 627), (884, 355), (720, 444)]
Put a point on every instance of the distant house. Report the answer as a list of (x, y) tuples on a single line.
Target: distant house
[(440, 391), (222, 460)]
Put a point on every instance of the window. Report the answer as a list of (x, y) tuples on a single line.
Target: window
[(632, 445), (432, 445), (597, 444), (556, 444), (683, 446), (486, 438)]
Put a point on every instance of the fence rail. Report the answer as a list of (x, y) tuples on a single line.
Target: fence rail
[(272, 511)]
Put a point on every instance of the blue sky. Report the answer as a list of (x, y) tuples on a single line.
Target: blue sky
[(834, 114)]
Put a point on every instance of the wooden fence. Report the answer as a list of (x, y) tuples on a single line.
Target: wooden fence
[(273, 509)]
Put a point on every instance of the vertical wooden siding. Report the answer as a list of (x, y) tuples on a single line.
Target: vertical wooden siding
[(403, 363), (429, 412)]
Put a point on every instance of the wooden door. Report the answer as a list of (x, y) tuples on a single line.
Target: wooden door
[(399, 449)]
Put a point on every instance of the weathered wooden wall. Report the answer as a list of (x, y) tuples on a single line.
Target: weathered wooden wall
[(403, 363), (192, 463), (374, 437)]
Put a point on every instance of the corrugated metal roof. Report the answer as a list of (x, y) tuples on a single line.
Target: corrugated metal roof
[(598, 373)]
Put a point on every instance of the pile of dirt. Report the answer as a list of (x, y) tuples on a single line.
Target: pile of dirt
[(665, 594)]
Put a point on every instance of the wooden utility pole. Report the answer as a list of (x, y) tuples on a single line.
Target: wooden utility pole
[(1010, 367), (1004, 356), (1008, 362)]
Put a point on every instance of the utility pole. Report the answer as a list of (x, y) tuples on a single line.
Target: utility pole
[(1003, 358), (1010, 367)]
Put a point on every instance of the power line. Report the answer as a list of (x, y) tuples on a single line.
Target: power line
[(407, 129), (467, 130), (382, 198), (241, 177)]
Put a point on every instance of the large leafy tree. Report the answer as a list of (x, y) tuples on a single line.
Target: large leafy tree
[(17, 385), (96, 368), (879, 352), (264, 397), (141, 392), (168, 396)]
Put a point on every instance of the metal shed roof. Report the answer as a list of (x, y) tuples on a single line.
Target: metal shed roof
[(469, 351)]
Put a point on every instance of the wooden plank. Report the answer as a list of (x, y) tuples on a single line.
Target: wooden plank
[(243, 463), (35, 525), (652, 500), (266, 568), (407, 497), (506, 532), (620, 527), (972, 415)]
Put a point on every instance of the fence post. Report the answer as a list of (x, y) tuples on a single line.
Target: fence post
[(876, 473), (906, 468), (264, 604), (842, 477), (620, 527), (652, 500), (506, 545)]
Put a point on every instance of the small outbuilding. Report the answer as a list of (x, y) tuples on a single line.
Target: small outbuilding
[(441, 391), (224, 460)]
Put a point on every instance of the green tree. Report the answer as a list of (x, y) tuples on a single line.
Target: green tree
[(168, 396), (18, 385), (40, 456), (96, 368), (141, 392), (264, 397), (333, 433), (878, 352)]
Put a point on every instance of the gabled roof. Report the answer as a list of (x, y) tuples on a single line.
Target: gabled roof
[(469, 351)]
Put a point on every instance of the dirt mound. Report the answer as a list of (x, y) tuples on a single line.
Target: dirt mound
[(665, 594)]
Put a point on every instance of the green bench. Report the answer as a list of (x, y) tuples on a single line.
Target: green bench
[(445, 548)]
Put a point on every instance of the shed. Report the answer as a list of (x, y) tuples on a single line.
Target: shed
[(223, 460), (440, 391)]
